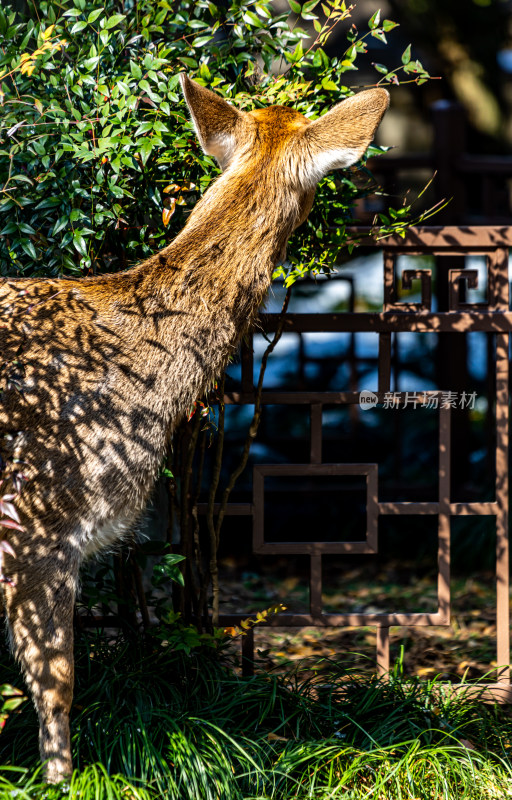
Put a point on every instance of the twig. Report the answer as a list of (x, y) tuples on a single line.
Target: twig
[(217, 465), (251, 435)]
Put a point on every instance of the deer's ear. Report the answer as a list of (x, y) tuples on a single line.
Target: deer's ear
[(214, 119), (340, 137)]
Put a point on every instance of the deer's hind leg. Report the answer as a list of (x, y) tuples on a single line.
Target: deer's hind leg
[(40, 615)]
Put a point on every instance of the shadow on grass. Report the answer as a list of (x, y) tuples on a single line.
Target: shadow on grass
[(190, 727)]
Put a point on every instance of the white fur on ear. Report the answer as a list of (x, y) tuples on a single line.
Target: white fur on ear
[(222, 147), (341, 137), (214, 119), (327, 160)]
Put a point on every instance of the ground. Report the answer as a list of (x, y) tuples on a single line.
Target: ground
[(464, 649)]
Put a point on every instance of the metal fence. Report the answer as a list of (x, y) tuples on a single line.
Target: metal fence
[(459, 316)]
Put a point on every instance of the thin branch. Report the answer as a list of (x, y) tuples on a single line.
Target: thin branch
[(251, 435), (217, 465)]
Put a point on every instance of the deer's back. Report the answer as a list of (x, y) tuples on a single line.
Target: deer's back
[(76, 407)]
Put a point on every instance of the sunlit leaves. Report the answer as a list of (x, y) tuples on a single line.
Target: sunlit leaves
[(374, 20), (103, 127), (406, 55), (114, 20)]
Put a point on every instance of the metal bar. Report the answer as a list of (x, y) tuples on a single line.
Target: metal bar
[(384, 362), (292, 620), (315, 586), (315, 548), (331, 398), (479, 319), (502, 545), (409, 508), (293, 470), (389, 281), (383, 651), (232, 509), (498, 283), (471, 238), (443, 579), (247, 360), (316, 433)]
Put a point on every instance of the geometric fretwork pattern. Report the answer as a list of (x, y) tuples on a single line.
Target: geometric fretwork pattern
[(492, 316)]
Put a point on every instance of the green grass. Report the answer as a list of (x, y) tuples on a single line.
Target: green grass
[(190, 728)]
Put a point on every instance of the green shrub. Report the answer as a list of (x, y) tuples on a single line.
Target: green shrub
[(98, 161)]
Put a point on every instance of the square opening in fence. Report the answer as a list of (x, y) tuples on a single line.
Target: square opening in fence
[(315, 508)]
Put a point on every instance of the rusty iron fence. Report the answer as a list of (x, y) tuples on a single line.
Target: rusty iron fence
[(492, 317)]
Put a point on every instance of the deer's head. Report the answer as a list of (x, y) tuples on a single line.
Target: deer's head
[(281, 145)]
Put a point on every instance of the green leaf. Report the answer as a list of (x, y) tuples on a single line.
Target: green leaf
[(50, 202), (200, 41), (135, 70), (373, 22), (78, 26), (252, 19), (380, 68), (14, 702), (329, 85), (295, 7), (297, 53), (24, 228), (114, 20), (205, 72), (406, 55), (145, 149), (61, 223), (91, 63), (188, 62), (23, 178), (79, 243), (172, 558), (93, 16), (29, 248), (388, 25), (379, 34)]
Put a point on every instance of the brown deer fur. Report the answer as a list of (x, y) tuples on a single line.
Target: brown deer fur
[(110, 364)]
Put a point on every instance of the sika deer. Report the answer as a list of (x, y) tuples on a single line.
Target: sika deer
[(112, 363)]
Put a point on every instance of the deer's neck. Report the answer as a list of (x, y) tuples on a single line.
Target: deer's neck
[(223, 259), (195, 298)]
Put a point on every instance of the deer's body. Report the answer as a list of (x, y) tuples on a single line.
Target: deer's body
[(110, 364)]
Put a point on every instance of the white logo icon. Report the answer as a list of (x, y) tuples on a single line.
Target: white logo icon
[(367, 400)]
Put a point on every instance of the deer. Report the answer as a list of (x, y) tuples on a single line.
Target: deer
[(108, 366)]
